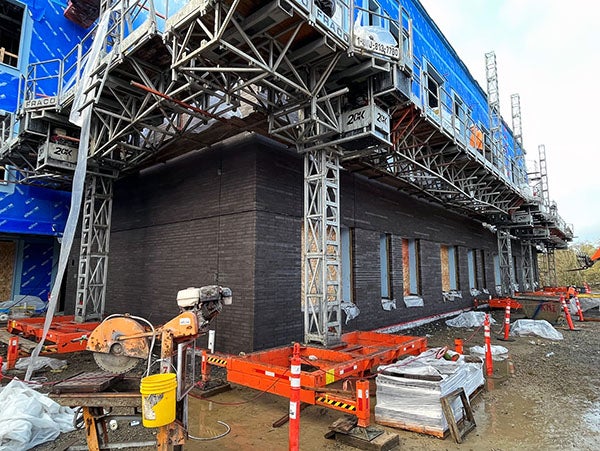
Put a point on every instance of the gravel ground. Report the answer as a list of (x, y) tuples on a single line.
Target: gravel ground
[(552, 402)]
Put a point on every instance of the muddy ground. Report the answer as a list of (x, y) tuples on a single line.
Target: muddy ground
[(552, 402)]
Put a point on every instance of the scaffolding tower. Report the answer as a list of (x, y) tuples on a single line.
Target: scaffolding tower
[(507, 268), (491, 73)]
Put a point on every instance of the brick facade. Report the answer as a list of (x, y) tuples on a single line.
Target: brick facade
[(233, 215)]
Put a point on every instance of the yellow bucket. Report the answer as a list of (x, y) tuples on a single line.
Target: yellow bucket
[(158, 399)]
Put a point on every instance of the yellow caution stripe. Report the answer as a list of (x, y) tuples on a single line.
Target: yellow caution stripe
[(334, 403), (216, 361)]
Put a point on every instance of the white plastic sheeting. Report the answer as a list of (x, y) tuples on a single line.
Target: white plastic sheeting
[(28, 418), (498, 352), (451, 295), (371, 36), (388, 304), (539, 327), (350, 309), (406, 400), (39, 363), (82, 118), (413, 301), (469, 319), (25, 302), (585, 304)]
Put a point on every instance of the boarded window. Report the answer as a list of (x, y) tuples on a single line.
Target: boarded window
[(410, 266), (11, 22), (7, 269), (449, 263)]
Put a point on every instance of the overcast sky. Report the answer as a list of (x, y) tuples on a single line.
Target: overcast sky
[(548, 52)]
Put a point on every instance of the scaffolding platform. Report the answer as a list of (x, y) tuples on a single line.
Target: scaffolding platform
[(64, 336)]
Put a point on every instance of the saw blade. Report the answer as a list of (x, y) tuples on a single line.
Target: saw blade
[(113, 363)]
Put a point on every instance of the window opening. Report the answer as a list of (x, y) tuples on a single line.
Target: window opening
[(433, 84), (406, 33), (375, 13), (347, 261), (410, 265), (385, 247), (8, 174), (472, 268), (11, 23), (497, 278), (482, 267), (460, 113)]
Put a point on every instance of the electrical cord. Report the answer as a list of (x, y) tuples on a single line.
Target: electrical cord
[(152, 343), (206, 439), (233, 404)]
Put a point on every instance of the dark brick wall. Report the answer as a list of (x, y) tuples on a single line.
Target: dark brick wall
[(279, 192), (371, 209), (235, 213), (190, 222)]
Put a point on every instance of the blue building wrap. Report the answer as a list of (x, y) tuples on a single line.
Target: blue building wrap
[(32, 217), (37, 268), (45, 35), (432, 51), (33, 210)]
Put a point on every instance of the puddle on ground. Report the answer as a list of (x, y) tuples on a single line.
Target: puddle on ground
[(591, 418), (531, 423), (507, 418)]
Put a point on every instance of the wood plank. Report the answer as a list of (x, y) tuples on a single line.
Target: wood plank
[(468, 420), (24, 344), (436, 432), (121, 399), (90, 382), (344, 425), (383, 442)]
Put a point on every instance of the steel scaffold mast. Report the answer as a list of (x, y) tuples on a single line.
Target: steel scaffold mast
[(322, 312), (527, 265), (493, 96), (515, 104), (507, 268), (94, 249), (544, 175)]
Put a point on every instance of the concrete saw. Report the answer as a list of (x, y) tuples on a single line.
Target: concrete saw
[(119, 343)]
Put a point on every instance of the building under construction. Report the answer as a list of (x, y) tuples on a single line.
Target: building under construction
[(334, 163)]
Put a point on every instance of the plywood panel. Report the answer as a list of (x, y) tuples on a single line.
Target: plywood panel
[(445, 268), (7, 268), (405, 267)]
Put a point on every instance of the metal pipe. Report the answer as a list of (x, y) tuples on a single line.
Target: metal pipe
[(180, 103)]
